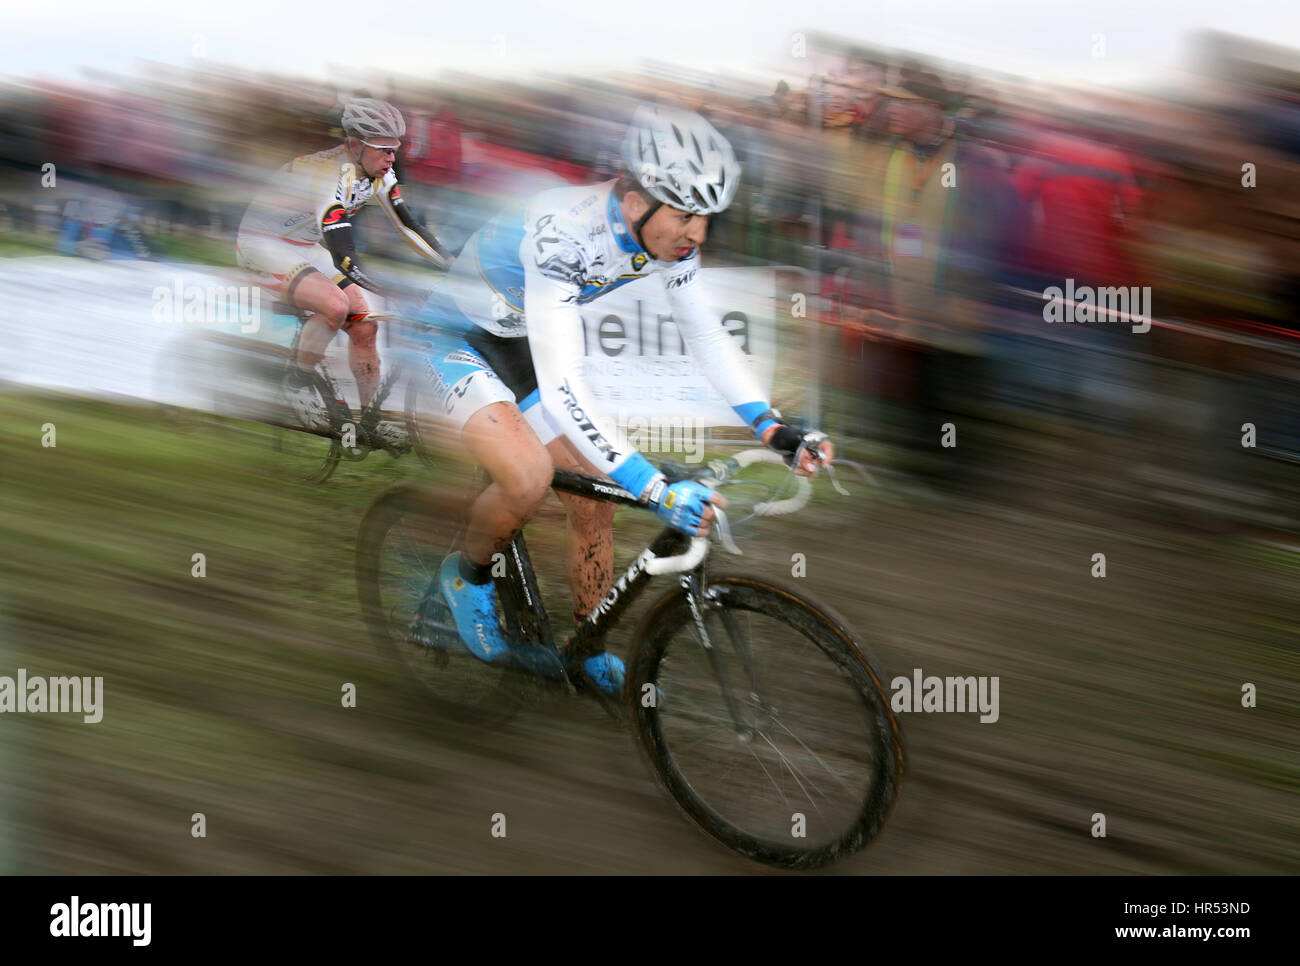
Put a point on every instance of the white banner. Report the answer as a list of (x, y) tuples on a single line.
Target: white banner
[(137, 329), (636, 360)]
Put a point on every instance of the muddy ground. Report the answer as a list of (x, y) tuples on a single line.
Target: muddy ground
[(1119, 695)]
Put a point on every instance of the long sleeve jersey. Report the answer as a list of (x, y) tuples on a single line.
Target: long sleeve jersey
[(526, 274), (311, 200)]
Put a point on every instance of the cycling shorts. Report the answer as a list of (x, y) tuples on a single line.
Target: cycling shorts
[(279, 264), (467, 368)]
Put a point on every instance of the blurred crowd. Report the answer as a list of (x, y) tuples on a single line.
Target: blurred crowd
[(928, 207)]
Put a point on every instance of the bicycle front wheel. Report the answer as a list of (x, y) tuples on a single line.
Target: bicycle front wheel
[(306, 453), (772, 728)]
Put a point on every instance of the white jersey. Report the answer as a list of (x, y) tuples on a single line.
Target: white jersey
[(526, 273), (303, 195)]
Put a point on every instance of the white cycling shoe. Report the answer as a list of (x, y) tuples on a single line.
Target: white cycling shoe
[(305, 402)]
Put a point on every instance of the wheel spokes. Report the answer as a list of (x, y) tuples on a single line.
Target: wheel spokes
[(803, 731)]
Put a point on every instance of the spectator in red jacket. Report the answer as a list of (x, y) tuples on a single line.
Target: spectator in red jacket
[(1081, 195), (432, 153), (431, 167)]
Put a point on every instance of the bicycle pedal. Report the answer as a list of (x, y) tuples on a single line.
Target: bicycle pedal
[(444, 643), (425, 630)]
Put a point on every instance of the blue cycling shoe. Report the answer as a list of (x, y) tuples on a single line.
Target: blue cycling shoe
[(474, 608), (606, 673)]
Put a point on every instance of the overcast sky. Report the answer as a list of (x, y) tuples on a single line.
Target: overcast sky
[(1051, 39)]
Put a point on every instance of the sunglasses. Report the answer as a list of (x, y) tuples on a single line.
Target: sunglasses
[(384, 148)]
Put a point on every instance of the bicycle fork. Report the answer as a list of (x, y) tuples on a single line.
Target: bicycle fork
[(698, 598)]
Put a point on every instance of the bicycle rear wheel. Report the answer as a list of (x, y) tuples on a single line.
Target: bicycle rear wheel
[(777, 739), (405, 536)]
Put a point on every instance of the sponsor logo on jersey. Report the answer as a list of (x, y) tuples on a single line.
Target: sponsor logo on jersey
[(679, 280), (585, 425), (356, 195), (333, 217), (560, 261), (639, 261)]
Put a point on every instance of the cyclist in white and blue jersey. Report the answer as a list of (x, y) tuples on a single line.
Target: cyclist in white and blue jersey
[(508, 374)]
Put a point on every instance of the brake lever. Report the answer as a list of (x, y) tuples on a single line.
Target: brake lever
[(829, 465), (830, 475), (723, 530), (723, 470), (861, 471)]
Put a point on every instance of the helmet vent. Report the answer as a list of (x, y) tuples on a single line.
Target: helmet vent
[(681, 160)]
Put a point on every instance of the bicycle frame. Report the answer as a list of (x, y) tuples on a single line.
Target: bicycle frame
[(521, 598), (733, 645)]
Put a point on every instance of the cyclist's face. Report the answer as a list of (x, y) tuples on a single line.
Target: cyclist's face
[(672, 234), (375, 161)]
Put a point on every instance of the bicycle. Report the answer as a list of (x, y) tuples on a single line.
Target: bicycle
[(328, 431), (723, 670)]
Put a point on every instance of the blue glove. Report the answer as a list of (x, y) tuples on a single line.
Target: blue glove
[(680, 505)]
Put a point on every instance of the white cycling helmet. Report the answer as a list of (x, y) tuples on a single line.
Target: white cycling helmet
[(366, 117), (681, 159)]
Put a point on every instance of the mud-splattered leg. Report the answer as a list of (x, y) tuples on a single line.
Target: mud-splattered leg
[(589, 538), (363, 354)]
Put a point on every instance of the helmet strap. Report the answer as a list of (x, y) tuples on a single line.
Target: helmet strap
[(636, 229), (356, 157)]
